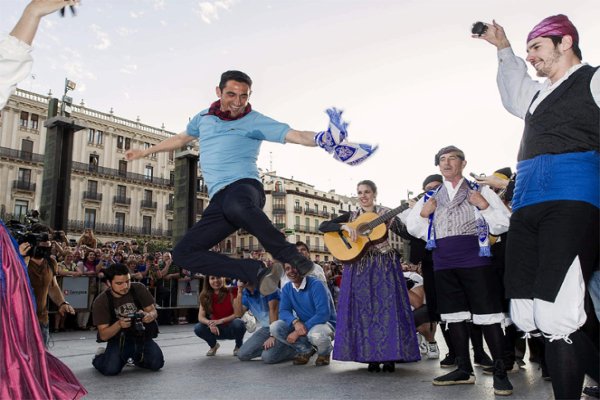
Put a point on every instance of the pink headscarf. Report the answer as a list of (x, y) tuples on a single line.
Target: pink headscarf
[(556, 25)]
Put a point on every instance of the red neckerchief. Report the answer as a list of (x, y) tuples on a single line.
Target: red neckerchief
[(215, 109)]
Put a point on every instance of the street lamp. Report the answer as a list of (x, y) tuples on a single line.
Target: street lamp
[(67, 101)]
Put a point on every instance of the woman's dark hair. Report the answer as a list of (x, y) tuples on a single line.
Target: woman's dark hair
[(206, 295), (556, 40), (368, 183), (237, 76)]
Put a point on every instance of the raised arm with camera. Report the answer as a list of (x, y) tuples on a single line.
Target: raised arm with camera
[(15, 60)]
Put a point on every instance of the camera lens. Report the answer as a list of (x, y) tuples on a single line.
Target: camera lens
[(479, 28)]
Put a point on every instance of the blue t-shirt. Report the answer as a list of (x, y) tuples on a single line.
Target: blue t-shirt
[(259, 305), (229, 149)]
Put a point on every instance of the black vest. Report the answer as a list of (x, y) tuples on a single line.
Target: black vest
[(567, 121)]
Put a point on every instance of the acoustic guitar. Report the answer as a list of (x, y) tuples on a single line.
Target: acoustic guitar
[(370, 228)]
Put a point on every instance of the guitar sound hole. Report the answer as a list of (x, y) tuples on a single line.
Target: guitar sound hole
[(363, 230)]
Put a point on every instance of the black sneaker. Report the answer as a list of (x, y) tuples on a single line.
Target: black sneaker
[(456, 377), (448, 361), (268, 279), (502, 386), (545, 373), (302, 264), (483, 360), (592, 391)]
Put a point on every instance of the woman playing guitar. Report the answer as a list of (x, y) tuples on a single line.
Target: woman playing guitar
[(374, 319)]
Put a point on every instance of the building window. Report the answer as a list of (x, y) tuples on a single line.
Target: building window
[(121, 191), (100, 138), (120, 142), (228, 247), (308, 241), (251, 243), (91, 135), (120, 222), (170, 226), (148, 172), (317, 244), (90, 218), (35, 120), (24, 175), (123, 168), (146, 225), (306, 206), (26, 149), (92, 187), (21, 208), (242, 243), (316, 225), (127, 143), (171, 155), (146, 145), (316, 208), (24, 119), (172, 178), (148, 196), (297, 220), (307, 223)]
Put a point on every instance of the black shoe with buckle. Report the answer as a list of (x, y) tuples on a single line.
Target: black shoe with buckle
[(374, 367)]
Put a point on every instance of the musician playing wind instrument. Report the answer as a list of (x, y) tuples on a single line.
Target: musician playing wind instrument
[(374, 321)]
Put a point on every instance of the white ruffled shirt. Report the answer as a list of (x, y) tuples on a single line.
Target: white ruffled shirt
[(517, 88), (15, 65)]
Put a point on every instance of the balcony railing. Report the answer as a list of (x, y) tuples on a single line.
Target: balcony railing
[(115, 173), (94, 196), (148, 204), (25, 186), (279, 225), (21, 155), (169, 207), (305, 228), (122, 200), (298, 209), (116, 229), (310, 211), (279, 193), (279, 209)]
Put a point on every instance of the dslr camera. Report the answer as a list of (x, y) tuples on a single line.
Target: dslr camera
[(137, 325)]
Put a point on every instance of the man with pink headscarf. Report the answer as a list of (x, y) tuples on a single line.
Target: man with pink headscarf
[(552, 246)]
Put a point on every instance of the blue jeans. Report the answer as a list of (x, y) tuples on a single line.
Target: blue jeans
[(144, 352), (319, 336), (233, 330), (253, 348), (238, 205)]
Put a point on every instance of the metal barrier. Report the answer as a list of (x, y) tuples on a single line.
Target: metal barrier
[(80, 292)]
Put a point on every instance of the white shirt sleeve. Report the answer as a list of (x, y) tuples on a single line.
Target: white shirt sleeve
[(497, 214), (15, 65), (514, 83), (415, 224)]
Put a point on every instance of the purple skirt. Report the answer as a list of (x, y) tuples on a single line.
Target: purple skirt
[(374, 319)]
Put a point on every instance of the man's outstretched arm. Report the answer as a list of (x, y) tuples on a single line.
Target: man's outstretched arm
[(305, 138), (170, 144)]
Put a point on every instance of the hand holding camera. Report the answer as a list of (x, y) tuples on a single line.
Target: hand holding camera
[(492, 33)]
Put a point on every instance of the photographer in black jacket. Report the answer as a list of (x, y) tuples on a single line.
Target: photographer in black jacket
[(126, 318)]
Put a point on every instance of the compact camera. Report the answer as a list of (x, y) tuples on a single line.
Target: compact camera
[(479, 28)]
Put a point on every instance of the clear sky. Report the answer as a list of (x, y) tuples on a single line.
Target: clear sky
[(406, 72)]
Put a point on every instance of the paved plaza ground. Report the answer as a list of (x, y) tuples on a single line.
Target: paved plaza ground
[(189, 374)]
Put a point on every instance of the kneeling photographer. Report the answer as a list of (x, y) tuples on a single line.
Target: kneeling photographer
[(126, 318)]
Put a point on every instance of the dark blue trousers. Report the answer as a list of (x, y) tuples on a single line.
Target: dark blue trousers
[(144, 352), (238, 205)]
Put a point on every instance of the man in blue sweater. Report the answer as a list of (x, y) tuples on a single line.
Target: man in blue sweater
[(307, 318)]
